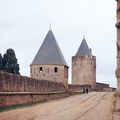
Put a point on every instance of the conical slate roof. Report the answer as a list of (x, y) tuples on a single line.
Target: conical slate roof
[(49, 52), (84, 49)]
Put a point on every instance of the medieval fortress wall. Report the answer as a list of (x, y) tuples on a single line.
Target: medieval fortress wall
[(14, 83), (16, 89), (118, 48), (118, 55)]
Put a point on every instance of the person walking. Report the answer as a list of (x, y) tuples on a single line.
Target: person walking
[(87, 91), (83, 91)]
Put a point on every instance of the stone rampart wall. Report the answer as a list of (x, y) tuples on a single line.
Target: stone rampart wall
[(14, 83), (16, 89), (100, 87), (78, 87), (16, 98)]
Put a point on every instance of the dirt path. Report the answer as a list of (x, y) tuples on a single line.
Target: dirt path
[(92, 106)]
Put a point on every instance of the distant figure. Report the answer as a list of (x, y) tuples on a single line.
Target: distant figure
[(83, 91), (87, 91)]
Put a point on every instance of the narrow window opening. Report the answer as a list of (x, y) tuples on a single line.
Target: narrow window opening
[(55, 69), (40, 69)]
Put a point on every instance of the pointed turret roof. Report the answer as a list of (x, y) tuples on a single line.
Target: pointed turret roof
[(84, 49), (49, 52)]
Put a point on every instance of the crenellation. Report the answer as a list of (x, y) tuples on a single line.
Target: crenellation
[(26, 84)]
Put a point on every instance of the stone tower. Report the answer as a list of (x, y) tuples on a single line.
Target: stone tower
[(49, 63), (84, 66), (118, 54)]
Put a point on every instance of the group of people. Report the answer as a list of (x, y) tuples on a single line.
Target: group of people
[(85, 91)]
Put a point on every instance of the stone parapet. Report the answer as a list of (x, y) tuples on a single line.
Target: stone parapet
[(100, 87), (78, 87), (18, 98), (13, 83)]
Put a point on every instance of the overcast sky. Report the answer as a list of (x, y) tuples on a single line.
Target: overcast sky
[(25, 23)]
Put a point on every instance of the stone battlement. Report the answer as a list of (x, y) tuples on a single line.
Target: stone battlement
[(15, 83), (83, 57)]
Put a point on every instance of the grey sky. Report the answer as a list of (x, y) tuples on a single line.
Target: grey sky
[(25, 23)]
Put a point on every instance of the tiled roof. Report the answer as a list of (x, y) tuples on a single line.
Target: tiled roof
[(49, 52), (84, 49)]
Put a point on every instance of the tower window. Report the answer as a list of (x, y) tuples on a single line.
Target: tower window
[(40, 69), (55, 69)]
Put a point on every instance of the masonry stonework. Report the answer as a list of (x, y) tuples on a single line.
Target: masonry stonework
[(55, 73), (74, 88), (84, 70), (15, 89), (10, 99), (118, 48), (102, 87), (118, 54), (15, 83)]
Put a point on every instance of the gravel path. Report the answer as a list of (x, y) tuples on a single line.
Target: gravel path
[(92, 106)]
